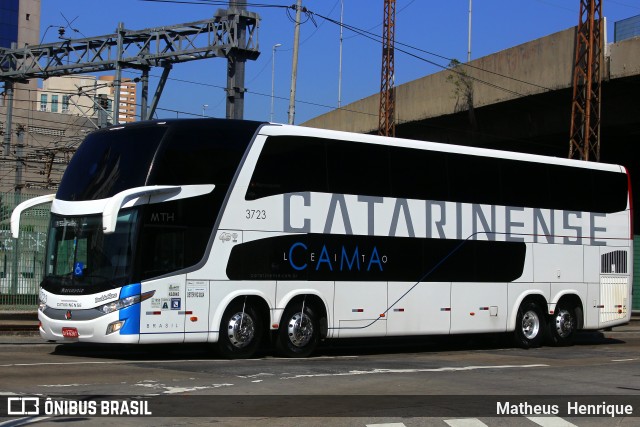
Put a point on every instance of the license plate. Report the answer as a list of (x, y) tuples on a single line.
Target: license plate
[(70, 332)]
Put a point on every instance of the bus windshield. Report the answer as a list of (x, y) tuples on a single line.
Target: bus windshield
[(79, 254)]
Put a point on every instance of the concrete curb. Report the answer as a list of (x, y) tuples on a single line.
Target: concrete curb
[(18, 323)]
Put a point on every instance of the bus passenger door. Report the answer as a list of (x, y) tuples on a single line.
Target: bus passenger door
[(162, 316)]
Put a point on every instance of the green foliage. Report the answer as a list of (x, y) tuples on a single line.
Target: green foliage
[(462, 86)]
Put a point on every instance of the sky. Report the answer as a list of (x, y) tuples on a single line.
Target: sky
[(437, 27)]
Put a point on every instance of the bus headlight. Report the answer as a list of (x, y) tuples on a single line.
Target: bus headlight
[(115, 326), (112, 306)]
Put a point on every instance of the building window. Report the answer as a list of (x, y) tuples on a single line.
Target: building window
[(65, 103), (43, 102), (54, 103)]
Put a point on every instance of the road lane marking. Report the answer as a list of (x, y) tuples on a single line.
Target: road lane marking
[(465, 422), (551, 422), (413, 371), (114, 362), (23, 421)]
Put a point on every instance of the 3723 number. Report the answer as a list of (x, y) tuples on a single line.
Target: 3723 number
[(255, 214)]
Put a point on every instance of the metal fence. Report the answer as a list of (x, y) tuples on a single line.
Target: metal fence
[(22, 259)]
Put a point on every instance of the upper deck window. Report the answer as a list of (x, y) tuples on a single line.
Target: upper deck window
[(290, 164), (110, 161)]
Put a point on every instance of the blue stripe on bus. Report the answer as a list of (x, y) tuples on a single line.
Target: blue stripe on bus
[(131, 314), (130, 290)]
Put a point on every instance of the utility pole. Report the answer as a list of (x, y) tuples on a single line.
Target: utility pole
[(117, 82), (8, 89), (236, 62), (103, 105), (19, 159), (17, 199), (144, 108), (386, 116), (584, 137), (294, 67)]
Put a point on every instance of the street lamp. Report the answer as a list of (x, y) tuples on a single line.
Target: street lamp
[(273, 74), (204, 107), (469, 42)]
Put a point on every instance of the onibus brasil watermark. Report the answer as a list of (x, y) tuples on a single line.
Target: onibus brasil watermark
[(53, 407)]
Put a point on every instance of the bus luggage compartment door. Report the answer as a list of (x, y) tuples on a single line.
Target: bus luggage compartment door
[(614, 292), (358, 308), (196, 318)]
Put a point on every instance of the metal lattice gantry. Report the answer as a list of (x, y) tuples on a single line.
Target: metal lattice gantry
[(228, 34), (584, 143), (386, 115)]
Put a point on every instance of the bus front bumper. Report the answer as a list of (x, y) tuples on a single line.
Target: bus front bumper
[(94, 330)]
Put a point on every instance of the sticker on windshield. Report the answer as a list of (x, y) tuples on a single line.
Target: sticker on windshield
[(78, 269)]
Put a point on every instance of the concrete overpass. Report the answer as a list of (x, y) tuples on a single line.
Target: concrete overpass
[(521, 102)]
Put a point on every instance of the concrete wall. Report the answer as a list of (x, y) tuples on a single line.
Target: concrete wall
[(535, 67), (624, 58)]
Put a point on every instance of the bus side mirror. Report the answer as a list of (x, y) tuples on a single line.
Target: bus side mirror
[(15, 215)]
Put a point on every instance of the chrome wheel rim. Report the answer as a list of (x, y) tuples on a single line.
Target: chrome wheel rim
[(530, 324), (240, 330), (300, 329), (564, 323)]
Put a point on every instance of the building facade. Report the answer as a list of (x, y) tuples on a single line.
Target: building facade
[(128, 98), (9, 22)]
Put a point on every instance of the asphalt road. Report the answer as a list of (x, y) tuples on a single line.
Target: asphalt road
[(410, 382)]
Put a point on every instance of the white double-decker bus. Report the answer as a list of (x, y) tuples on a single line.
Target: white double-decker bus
[(243, 233)]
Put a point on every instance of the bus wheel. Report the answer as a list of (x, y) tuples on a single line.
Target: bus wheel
[(299, 331), (240, 331), (562, 326), (529, 325)]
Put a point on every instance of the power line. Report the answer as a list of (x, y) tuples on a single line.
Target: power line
[(378, 39), (217, 3)]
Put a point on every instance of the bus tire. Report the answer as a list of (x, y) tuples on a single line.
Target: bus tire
[(299, 331), (241, 331), (562, 326), (530, 325)]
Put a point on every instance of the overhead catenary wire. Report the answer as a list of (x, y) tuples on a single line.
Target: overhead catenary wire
[(377, 38), (374, 37)]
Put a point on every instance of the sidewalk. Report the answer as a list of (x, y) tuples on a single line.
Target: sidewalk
[(26, 323)]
